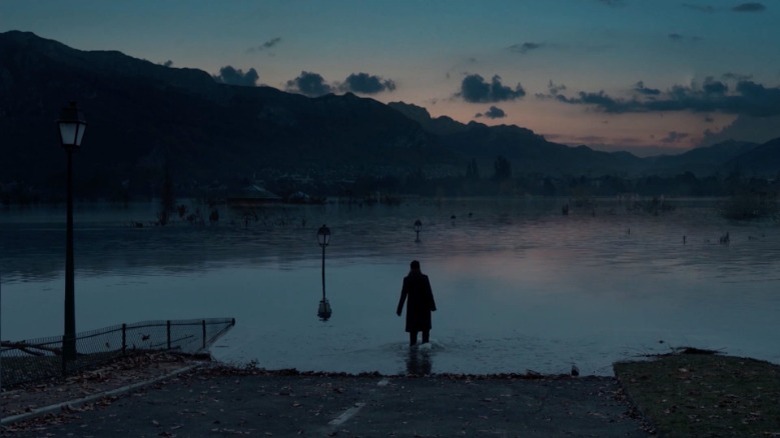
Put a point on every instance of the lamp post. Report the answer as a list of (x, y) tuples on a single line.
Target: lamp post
[(72, 126), (417, 229), (323, 238)]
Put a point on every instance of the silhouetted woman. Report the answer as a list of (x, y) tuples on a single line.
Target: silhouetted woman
[(417, 289)]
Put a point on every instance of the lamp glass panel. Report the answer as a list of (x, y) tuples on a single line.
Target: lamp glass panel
[(80, 133), (69, 133)]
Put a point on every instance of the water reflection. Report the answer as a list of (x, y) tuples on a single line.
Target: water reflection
[(520, 285), (418, 360)]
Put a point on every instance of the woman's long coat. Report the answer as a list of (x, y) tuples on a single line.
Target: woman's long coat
[(417, 289)]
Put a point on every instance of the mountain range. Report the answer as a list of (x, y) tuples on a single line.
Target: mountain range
[(144, 118)]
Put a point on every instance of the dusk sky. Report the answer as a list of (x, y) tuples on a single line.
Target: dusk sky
[(638, 75)]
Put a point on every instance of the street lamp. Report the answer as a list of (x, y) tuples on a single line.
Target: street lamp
[(417, 229), (323, 238), (72, 126)]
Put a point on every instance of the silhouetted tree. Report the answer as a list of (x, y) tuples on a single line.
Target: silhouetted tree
[(503, 169), (472, 170), (548, 187)]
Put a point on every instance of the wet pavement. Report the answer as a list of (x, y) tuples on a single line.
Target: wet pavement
[(218, 401)]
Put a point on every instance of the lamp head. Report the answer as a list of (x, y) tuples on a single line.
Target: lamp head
[(72, 126), (323, 236)]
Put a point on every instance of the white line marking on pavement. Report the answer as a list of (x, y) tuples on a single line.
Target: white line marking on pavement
[(78, 402), (346, 415)]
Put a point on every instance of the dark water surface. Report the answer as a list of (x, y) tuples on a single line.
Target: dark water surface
[(518, 285)]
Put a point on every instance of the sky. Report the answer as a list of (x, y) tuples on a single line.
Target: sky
[(645, 76)]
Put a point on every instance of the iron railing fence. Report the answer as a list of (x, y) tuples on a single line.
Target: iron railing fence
[(42, 358)]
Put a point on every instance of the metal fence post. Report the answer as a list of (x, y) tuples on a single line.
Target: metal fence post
[(204, 334), (64, 366), (95, 343)]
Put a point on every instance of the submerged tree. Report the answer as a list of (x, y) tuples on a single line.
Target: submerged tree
[(746, 204), (167, 198)]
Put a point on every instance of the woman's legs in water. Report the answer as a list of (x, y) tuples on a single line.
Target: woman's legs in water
[(426, 336), (413, 338)]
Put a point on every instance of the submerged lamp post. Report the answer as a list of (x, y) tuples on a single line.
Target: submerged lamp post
[(417, 229), (323, 238), (72, 126)]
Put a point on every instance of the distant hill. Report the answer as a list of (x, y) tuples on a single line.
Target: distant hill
[(701, 161), (761, 160), (141, 114), (144, 117), (531, 153), (528, 152)]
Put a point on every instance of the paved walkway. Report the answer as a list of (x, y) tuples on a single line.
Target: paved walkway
[(215, 401)]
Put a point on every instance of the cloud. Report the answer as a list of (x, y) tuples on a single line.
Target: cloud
[(233, 76), (746, 97), (492, 113), (474, 89), (679, 38), (743, 7), (266, 45), (601, 100), (736, 77), (309, 84), (749, 7), (553, 90), (713, 87), (525, 47), (366, 84), (640, 88), (272, 42), (674, 137)]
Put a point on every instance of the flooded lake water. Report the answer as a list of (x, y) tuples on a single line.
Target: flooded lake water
[(518, 285)]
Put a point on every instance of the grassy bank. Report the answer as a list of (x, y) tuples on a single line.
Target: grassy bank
[(697, 393)]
